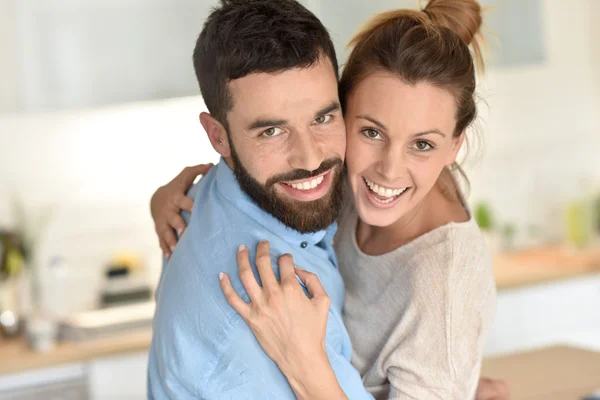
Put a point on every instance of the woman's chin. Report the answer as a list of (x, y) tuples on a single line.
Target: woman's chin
[(377, 217)]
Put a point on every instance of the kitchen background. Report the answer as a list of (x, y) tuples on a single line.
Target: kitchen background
[(99, 106)]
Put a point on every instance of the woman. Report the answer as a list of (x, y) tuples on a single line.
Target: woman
[(420, 292)]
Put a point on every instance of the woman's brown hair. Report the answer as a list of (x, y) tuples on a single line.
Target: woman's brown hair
[(429, 45)]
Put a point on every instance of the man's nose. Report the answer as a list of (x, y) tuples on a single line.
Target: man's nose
[(306, 152)]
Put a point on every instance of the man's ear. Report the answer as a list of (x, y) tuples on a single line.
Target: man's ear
[(216, 134), (458, 142)]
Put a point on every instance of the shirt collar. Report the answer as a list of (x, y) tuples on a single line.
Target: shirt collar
[(229, 188)]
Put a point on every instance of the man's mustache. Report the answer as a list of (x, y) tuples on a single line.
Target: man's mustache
[(302, 174)]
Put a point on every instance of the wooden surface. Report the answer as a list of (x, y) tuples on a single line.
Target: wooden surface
[(557, 373), (16, 357), (511, 270), (543, 265)]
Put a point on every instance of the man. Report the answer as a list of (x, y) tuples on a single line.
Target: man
[(268, 74)]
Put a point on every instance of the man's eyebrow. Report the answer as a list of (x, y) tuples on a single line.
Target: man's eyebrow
[(266, 123), (334, 106), (263, 123)]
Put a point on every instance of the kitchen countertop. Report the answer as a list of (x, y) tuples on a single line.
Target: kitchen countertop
[(541, 265), (16, 357), (557, 373), (511, 270)]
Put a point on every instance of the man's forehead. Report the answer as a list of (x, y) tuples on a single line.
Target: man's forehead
[(285, 99)]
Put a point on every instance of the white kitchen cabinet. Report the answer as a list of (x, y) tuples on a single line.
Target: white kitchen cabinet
[(118, 377), (558, 312), (106, 378), (66, 54), (64, 382)]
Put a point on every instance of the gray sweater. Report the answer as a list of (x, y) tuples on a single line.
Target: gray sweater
[(418, 316)]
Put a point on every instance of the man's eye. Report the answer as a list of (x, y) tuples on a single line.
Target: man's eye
[(271, 132), (323, 119)]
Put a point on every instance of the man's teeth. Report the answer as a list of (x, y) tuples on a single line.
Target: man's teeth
[(383, 192), (307, 185)]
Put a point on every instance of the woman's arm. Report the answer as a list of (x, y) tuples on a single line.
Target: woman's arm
[(168, 201), (289, 326)]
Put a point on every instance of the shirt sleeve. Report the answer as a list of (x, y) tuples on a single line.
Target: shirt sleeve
[(438, 344), (214, 354)]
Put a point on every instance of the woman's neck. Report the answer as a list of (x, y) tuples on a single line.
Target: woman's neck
[(435, 210)]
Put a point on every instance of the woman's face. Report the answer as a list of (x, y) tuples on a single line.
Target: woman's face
[(399, 139)]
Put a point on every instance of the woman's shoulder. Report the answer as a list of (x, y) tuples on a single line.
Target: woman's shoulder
[(454, 252)]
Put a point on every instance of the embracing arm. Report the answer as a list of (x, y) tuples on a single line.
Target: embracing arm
[(207, 351), (291, 327), (167, 203)]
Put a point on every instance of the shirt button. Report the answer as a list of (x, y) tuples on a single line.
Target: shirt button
[(304, 245)]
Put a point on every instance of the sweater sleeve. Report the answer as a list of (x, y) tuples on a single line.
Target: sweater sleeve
[(437, 346)]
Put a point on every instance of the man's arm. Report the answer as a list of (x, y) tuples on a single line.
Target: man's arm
[(199, 348)]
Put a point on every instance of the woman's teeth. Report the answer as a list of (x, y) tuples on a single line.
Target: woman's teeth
[(381, 191), (307, 185)]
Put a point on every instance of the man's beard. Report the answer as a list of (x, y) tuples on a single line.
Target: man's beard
[(302, 216)]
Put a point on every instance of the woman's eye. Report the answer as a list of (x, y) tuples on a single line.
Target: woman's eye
[(371, 133), (323, 119), (422, 145), (271, 132)]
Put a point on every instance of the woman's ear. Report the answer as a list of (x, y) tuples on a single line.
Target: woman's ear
[(217, 134), (457, 143)]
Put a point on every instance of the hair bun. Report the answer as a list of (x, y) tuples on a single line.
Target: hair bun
[(463, 17)]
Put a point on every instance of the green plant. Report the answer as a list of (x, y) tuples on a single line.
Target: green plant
[(483, 216), (597, 212)]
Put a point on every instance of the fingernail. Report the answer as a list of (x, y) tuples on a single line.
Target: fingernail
[(172, 249), (221, 275), (297, 267), (179, 232), (241, 248)]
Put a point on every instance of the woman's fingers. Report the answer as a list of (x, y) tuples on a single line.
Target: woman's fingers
[(188, 174), (167, 235), (313, 285), (264, 266), (185, 203), (286, 269), (201, 169), (165, 248), (233, 298), (247, 276), (177, 223)]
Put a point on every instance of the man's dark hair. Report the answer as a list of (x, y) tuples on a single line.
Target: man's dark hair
[(241, 37)]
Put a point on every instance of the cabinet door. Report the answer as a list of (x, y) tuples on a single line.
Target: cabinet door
[(65, 382), (118, 377), (74, 54), (565, 312)]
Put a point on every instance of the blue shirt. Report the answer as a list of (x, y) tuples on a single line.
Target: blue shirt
[(201, 348)]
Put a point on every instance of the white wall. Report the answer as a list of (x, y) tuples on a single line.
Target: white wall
[(541, 123), (100, 166), (97, 169)]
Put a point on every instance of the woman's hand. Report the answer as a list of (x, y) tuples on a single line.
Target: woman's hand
[(168, 201), (289, 325), (492, 389)]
